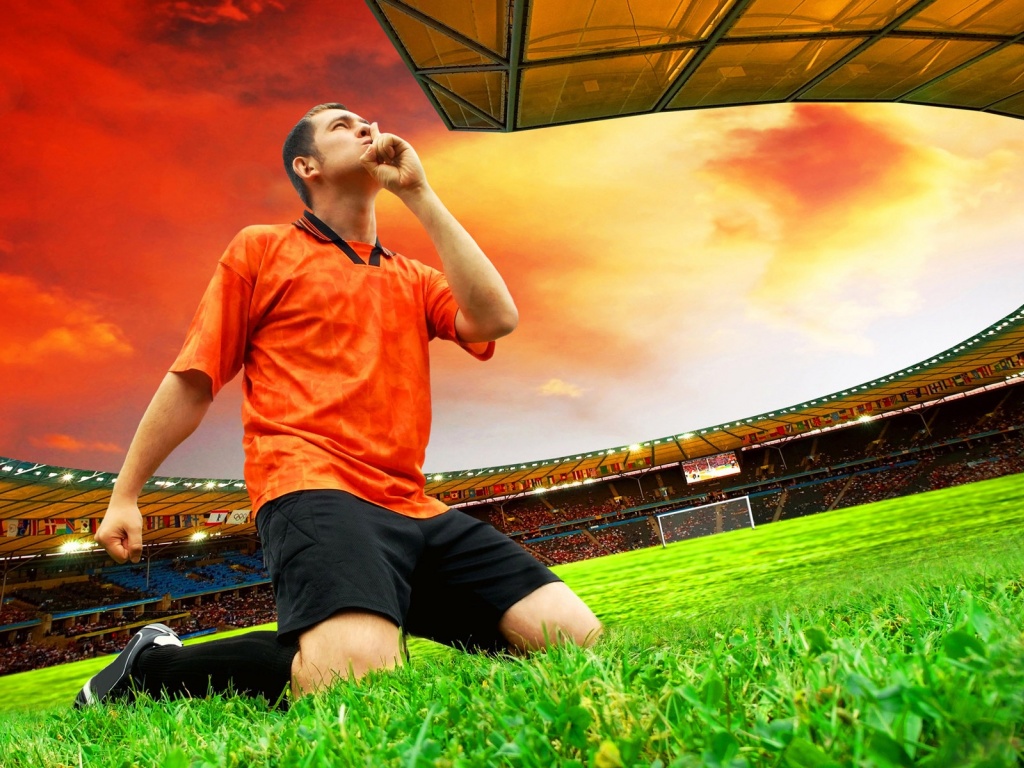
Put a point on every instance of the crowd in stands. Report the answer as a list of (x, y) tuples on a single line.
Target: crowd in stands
[(811, 499), (567, 548), (534, 513), (12, 614), (683, 526), (73, 595), (22, 657), (255, 607), (83, 629), (868, 487), (25, 655), (978, 469), (627, 536)]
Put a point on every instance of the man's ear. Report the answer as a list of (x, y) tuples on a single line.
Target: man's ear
[(305, 167)]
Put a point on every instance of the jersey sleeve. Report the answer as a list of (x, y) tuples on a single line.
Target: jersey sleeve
[(216, 340), (441, 310)]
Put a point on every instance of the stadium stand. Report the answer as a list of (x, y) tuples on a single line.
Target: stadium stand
[(183, 579), (67, 608)]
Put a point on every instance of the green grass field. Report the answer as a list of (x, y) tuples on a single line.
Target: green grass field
[(883, 635)]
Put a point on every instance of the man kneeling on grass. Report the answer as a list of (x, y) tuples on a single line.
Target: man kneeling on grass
[(331, 330)]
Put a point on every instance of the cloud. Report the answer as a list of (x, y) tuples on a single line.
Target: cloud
[(73, 445), (841, 209), (559, 388), (217, 13), (823, 158), (47, 326)]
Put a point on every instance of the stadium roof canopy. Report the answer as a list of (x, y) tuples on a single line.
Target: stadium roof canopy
[(509, 65), (42, 494)]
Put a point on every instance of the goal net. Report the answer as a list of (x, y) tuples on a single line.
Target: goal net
[(692, 522)]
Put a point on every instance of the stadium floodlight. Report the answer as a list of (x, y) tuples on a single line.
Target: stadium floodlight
[(76, 546), (198, 536), (705, 520), (634, 447)]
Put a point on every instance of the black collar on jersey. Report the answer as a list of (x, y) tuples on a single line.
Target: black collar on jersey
[(312, 224)]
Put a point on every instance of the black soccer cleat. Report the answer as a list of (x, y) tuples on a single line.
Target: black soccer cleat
[(115, 679)]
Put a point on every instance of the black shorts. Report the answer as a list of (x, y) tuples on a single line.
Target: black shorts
[(448, 578)]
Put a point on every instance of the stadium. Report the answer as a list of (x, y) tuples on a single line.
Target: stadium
[(851, 562)]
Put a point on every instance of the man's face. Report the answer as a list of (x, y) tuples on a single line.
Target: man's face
[(341, 138)]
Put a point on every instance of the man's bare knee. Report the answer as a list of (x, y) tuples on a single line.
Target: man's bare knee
[(346, 646), (550, 615)]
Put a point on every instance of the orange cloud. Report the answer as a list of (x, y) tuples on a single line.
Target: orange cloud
[(823, 157), (50, 326), (74, 445), (559, 388), (227, 10), (841, 209)]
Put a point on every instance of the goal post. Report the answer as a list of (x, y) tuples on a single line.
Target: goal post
[(705, 520)]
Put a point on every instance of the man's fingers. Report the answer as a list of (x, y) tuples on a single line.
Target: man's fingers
[(385, 144), (118, 552), (132, 543), (115, 549), (121, 545)]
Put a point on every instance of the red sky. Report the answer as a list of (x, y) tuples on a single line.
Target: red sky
[(672, 271)]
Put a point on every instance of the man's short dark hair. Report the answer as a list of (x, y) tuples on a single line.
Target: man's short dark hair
[(301, 143)]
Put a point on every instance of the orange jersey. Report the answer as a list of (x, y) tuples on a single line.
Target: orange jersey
[(333, 345)]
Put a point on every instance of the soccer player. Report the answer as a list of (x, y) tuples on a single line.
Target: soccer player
[(331, 330)]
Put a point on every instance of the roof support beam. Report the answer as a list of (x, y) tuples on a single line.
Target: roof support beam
[(648, 50), (969, 63), (1000, 101), (715, 447), (842, 62), (463, 103), (691, 66), (409, 63), (444, 29), (516, 47)]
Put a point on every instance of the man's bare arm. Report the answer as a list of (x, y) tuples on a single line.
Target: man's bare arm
[(486, 308), (179, 405)]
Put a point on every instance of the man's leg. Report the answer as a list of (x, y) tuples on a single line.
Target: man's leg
[(550, 615), (340, 567), (253, 664), (154, 661), (347, 646), (475, 588)]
